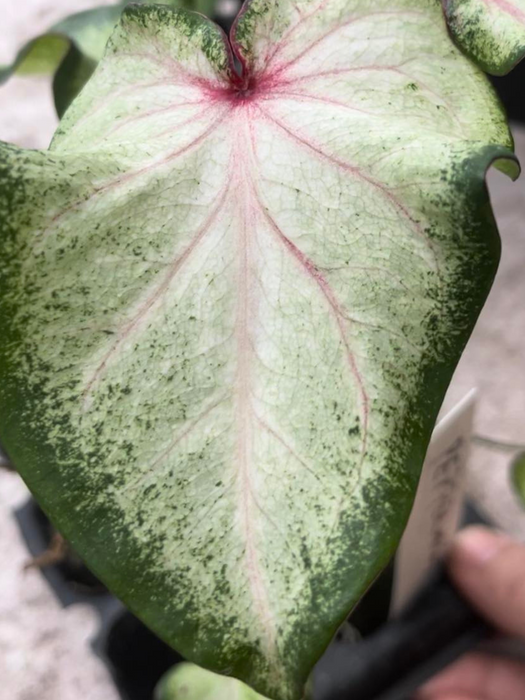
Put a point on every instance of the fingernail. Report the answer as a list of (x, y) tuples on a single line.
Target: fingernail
[(478, 544)]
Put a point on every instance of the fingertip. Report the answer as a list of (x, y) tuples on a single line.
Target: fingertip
[(450, 696), (488, 568), (476, 545), (476, 676)]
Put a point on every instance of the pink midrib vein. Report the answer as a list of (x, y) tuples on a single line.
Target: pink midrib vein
[(244, 412), (252, 209), (249, 204), (508, 8)]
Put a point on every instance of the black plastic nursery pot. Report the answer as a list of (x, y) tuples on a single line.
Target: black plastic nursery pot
[(137, 658), (71, 567), (398, 657), (65, 573), (511, 92)]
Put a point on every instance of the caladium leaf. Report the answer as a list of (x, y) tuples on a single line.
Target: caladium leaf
[(231, 305), (71, 49), (190, 682), (491, 32)]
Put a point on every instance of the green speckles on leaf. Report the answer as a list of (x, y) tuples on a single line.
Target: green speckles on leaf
[(256, 17), (195, 32), (229, 316), (491, 32)]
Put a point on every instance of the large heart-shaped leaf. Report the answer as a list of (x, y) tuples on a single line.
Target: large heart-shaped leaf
[(71, 49), (491, 32), (231, 306)]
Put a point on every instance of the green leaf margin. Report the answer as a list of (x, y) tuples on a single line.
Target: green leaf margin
[(495, 44)]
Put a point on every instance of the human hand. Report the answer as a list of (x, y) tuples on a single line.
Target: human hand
[(489, 570)]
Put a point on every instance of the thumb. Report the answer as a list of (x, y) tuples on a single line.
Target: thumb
[(489, 569)]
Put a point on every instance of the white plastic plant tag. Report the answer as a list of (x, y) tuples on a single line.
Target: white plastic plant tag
[(437, 509)]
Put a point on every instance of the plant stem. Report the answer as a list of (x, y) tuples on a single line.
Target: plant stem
[(491, 444)]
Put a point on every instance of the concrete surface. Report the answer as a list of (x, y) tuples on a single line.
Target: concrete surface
[(44, 650)]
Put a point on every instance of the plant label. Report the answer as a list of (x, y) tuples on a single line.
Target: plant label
[(437, 510)]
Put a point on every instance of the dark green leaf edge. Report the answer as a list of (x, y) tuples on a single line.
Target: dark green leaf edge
[(493, 66)]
